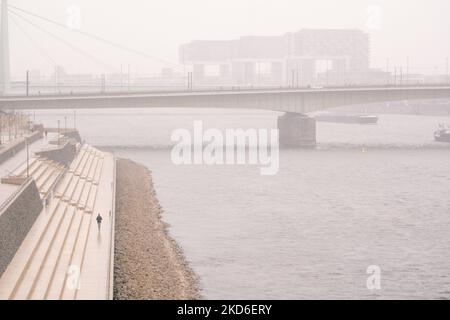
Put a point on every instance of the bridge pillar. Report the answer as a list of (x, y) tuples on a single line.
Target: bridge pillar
[(297, 131)]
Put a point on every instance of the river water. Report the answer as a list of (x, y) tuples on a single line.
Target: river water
[(367, 196)]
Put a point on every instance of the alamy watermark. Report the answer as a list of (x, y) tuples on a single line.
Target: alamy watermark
[(374, 280), (227, 147), (73, 277), (374, 17), (73, 17)]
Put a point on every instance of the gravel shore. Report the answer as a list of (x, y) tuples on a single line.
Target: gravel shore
[(148, 264)]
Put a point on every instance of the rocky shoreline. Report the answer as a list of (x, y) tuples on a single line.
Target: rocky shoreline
[(148, 264)]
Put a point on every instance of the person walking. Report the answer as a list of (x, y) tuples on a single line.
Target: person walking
[(99, 221)]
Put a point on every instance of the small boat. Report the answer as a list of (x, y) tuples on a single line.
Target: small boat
[(442, 134)]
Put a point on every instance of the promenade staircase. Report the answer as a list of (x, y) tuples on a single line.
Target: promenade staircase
[(51, 257)]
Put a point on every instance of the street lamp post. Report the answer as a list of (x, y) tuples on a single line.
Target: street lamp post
[(15, 125), (129, 77), (28, 82), (387, 72), (395, 76), (1, 129), (446, 71), (28, 157), (292, 78), (121, 77), (9, 127), (407, 69)]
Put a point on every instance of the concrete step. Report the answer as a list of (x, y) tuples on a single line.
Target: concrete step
[(71, 188), (85, 195), (78, 191), (63, 245), (15, 271), (32, 165), (39, 163), (24, 285), (46, 187), (88, 167), (98, 172), (46, 175), (45, 273), (79, 158), (63, 184), (40, 170), (98, 245), (90, 176), (91, 199), (69, 292), (82, 164), (57, 281)]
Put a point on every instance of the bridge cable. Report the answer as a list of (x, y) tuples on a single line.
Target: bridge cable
[(44, 53), (80, 51), (98, 38)]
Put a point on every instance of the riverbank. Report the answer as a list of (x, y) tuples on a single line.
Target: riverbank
[(148, 264)]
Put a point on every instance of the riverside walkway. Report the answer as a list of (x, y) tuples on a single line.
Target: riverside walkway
[(10, 165), (64, 255)]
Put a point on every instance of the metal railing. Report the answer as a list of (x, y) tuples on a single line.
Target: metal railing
[(112, 239), (214, 88)]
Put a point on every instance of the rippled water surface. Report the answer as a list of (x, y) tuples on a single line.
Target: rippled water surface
[(369, 195)]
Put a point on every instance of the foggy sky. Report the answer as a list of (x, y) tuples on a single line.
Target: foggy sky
[(419, 29)]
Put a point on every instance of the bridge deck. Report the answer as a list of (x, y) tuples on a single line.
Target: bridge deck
[(300, 100)]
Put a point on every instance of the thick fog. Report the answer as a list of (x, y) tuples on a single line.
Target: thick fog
[(416, 29)]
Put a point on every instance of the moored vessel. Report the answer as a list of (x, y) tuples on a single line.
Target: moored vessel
[(442, 134), (346, 118)]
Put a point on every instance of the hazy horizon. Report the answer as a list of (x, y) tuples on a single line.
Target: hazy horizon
[(414, 29)]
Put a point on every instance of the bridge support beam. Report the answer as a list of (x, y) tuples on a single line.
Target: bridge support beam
[(297, 131)]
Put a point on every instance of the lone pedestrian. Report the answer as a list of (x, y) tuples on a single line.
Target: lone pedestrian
[(99, 221)]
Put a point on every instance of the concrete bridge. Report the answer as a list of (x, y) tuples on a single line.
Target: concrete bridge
[(279, 99), (295, 128)]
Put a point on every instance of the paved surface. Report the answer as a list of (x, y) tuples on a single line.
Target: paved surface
[(96, 271), (64, 256), (15, 162)]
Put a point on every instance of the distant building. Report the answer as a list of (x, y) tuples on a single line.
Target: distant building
[(35, 75), (289, 59), (350, 78), (61, 77)]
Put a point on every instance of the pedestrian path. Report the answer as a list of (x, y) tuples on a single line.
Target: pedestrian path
[(65, 256)]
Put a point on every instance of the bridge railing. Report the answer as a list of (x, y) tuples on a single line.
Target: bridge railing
[(200, 89)]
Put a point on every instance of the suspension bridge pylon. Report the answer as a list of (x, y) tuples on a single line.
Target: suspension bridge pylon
[(4, 50)]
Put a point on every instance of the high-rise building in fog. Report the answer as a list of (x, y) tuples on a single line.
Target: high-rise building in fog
[(292, 58)]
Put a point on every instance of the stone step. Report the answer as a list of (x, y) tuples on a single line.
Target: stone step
[(63, 267)]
